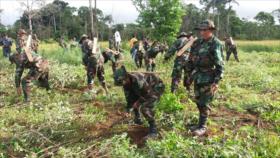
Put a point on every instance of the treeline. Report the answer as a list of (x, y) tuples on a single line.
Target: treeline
[(59, 19)]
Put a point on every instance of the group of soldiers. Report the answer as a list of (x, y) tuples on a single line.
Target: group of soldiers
[(201, 61)]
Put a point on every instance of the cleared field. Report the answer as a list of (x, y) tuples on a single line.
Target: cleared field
[(68, 122)]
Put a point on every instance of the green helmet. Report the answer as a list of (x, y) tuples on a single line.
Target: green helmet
[(119, 75), (206, 24)]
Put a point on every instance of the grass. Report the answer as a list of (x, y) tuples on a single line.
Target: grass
[(67, 122)]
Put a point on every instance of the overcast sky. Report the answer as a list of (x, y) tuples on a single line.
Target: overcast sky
[(123, 11)]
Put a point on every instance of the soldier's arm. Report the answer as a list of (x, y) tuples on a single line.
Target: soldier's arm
[(130, 98), (172, 50), (219, 63)]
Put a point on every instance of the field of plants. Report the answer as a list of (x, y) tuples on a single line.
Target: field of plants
[(70, 122)]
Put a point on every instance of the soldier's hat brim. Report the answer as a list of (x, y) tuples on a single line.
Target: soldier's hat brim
[(82, 38)]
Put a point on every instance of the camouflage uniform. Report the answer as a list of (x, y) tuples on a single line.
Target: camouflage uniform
[(114, 58), (231, 48), (21, 40), (141, 91), (93, 62), (180, 63), (139, 55), (150, 56), (206, 67), (38, 70)]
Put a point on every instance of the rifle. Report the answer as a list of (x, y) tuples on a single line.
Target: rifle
[(28, 50), (187, 46)]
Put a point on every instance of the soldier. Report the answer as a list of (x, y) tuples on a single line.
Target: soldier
[(93, 62), (180, 63), (150, 56), (230, 48), (38, 70), (142, 91), (138, 53), (206, 67), (35, 43), (21, 40), (7, 44), (113, 56), (62, 43)]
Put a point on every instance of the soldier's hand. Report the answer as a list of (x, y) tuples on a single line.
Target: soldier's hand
[(19, 91), (214, 88)]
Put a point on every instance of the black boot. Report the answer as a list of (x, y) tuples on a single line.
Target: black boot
[(152, 130), (201, 128), (137, 118)]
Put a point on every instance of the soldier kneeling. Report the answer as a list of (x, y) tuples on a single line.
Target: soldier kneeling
[(38, 70), (142, 91)]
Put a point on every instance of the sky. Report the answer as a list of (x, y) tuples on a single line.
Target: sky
[(123, 11)]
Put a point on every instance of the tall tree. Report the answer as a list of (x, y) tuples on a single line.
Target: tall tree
[(164, 17)]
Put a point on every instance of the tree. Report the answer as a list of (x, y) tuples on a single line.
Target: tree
[(164, 17), (265, 18)]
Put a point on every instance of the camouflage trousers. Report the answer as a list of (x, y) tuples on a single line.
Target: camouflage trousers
[(234, 51), (34, 74), (180, 67), (151, 65), (92, 72), (146, 107), (138, 60), (203, 98)]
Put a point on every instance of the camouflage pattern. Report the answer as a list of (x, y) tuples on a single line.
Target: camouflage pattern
[(93, 63), (230, 48), (141, 91), (110, 56), (38, 70), (21, 42), (139, 54), (150, 56), (180, 63), (206, 67)]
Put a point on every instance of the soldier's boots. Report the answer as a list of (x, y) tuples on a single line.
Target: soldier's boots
[(152, 131), (137, 119), (26, 93), (201, 129)]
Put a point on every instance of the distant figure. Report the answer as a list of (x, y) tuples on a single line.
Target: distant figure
[(117, 40), (132, 41), (35, 43), (111, 43), (73, 43), (231, 48), (7, 44), (62, 43)]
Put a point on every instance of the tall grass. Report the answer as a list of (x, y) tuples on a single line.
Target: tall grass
[(259, 46)]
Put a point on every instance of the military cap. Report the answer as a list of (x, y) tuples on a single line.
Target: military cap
[(21, 31), (119, 75), (206, 25)]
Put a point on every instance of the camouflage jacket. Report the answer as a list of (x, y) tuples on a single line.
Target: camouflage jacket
[(177, 45), (205, 63), (22, 62), (229, 44), (142, 88), (153, 51), (88, 57), (20, 43)]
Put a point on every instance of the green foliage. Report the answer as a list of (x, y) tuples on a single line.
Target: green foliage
[(170, 103), (163, 16), (118, 146)]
